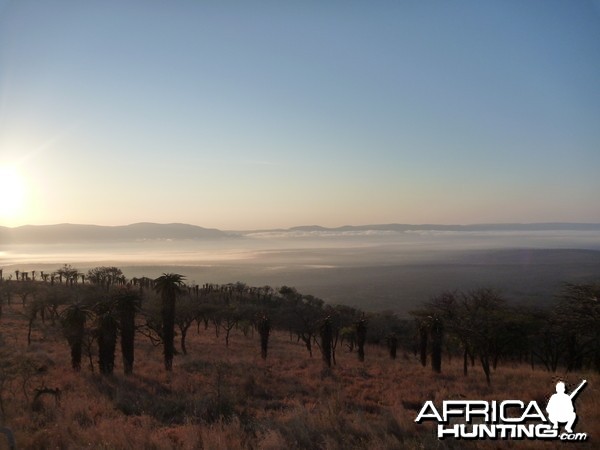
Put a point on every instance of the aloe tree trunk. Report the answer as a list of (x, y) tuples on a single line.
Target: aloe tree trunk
[(361, 338), (264, 329), (128, 302), (392, 342), (437, 335), (423, 335), (326, 338), (107, 342), (73, 322), (168, 286)]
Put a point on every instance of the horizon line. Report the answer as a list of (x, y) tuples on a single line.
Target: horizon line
[(294, 227)]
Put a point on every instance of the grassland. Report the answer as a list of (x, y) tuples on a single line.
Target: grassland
[(227, 398)]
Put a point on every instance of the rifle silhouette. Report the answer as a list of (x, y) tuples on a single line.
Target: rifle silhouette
[(576, 391)]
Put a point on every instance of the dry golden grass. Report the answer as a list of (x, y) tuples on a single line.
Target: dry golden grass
[(227, 398)]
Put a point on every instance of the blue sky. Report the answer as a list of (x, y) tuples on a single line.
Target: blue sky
[(271, 114)]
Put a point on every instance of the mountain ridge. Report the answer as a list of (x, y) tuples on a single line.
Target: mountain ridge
[(71, 233), (535, 226)]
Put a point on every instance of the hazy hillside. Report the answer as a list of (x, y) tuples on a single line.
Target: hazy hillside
[(555, 226), (67, 233), (71, 233)]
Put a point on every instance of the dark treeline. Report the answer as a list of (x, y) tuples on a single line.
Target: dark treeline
[(97, 308), (481, 326)]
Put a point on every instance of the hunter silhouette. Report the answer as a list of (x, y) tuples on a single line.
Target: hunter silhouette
[(560, 407)]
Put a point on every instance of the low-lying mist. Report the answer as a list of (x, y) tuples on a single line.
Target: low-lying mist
[(369, 269)]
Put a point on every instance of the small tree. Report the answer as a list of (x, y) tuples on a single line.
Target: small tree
[(104, 276), (478, 319), (69, 273), (301, 314), (229, 317), (188, 311)]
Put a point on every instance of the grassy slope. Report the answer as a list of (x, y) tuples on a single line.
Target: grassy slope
[(287, 402)]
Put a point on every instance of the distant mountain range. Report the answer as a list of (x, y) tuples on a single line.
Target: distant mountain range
[(71, 233), (476, 227)]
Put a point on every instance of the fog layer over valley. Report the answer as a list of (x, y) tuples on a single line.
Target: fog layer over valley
[(374, 268)]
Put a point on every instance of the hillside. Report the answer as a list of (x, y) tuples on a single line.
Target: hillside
[(223, 394), (228, 398), (75, 233), (70, 233), (555, 226)]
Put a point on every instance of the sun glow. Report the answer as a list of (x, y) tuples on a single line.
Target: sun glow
[(12, 194)]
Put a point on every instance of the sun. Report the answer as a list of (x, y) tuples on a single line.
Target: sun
[(12, 194)]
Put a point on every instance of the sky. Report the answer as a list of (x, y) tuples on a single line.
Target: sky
[(263, 114)]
